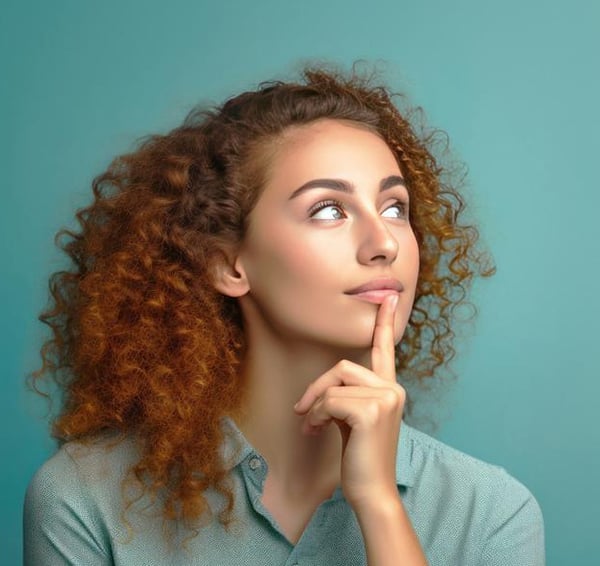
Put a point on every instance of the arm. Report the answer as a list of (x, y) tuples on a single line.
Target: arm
[(367, 407), (390, 539), (60, 525)]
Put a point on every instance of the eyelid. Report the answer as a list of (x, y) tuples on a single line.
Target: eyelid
[(324, 204), (402, 204)]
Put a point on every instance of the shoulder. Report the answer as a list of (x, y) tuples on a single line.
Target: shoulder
[(72, 503), (83, 475), (103, 459), (432, 457), (432, 461), (488, 501)]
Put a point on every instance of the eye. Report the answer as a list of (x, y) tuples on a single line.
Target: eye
[(400, 207), (327, 210)]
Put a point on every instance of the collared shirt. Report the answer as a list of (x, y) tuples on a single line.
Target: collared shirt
[(465, 512)]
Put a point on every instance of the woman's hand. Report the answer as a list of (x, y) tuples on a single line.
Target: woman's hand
[(367, 406)]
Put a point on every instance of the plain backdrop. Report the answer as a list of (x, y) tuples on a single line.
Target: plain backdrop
[(516, 86)]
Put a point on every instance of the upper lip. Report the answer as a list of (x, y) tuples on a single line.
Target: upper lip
[(378, 285)]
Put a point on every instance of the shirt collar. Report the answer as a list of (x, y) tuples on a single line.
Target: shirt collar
[(236, 449)]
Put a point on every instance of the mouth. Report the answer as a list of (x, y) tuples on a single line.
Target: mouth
[(376, 290), (376, 296)]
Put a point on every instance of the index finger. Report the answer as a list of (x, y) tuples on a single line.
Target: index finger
[(383, 361)]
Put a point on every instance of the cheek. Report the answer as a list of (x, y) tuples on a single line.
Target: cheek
[(412, 255), (407, 260), (296, 257), (279, 267)]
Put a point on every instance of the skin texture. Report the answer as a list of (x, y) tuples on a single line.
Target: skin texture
[(298, 267), (316, 355)]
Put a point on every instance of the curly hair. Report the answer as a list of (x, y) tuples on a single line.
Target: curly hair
[(142, 343)]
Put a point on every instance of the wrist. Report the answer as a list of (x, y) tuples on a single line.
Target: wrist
[(378, 505)]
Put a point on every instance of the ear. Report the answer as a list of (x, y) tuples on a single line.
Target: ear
[(229, 276)]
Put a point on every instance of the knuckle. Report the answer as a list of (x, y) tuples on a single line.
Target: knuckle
[(400, 392), (391, 398), (329, 401), (327, 395), (372, 411)]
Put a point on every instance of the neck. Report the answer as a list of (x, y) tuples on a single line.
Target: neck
[(275, 376)]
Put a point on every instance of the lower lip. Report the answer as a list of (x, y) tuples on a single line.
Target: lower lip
[(374, 296)]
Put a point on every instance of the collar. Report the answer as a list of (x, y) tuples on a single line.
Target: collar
[(236, 449)]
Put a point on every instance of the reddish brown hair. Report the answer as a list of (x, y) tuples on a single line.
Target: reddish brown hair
[(142, 343)]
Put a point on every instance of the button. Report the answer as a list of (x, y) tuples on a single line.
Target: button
[(254, 463)]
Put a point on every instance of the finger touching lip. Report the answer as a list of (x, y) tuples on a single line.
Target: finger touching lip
[(375, 296), (381, 284)]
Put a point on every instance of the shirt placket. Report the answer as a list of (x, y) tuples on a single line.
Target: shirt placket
[(254, 471)]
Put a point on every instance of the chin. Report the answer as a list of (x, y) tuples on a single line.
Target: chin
[(356, 341)]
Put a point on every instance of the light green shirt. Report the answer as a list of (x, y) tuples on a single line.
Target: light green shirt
[(466, 512)]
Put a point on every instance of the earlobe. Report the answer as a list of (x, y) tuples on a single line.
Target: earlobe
[(229, 276)]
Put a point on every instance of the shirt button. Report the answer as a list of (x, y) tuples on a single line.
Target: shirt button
[(254, 463)]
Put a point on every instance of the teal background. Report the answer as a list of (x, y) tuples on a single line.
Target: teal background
[(516, 86)]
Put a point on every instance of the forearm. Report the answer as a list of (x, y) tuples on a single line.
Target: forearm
[(390, 539)]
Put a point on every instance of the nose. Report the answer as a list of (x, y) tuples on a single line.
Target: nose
[(377, 244)]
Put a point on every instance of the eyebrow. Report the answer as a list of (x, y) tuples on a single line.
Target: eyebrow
[(345, 186)]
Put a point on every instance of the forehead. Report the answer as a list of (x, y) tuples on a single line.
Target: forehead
[(331, 147), (321, 130)]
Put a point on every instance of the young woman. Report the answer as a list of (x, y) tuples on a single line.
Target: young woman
[(244, 292)]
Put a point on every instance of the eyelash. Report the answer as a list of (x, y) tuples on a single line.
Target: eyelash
[(331, 202), (324, 204)]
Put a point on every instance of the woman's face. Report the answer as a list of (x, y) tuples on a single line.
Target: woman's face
[(307, 246)]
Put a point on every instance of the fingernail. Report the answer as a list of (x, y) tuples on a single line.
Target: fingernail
[(394, 302)]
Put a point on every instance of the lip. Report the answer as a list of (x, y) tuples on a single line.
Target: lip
[(381, 286), (377, 296), (376, 290)]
